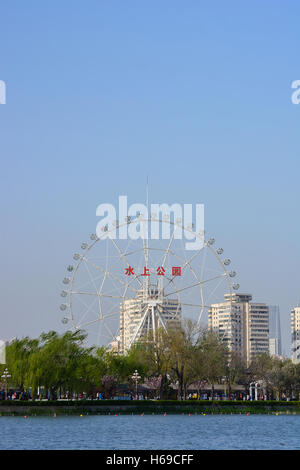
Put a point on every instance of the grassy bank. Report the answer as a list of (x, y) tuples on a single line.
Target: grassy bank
[(112, 407)]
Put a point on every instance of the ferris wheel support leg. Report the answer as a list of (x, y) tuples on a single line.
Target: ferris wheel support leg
[(161, 320), (139, 328), (153, 323)]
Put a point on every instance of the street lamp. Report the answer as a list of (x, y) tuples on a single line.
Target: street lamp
[(6, 375), (136, 377)]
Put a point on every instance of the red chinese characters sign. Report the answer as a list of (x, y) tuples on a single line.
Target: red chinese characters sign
[(176, 271)]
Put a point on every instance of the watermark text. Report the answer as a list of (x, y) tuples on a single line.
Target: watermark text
[(162, 221), (2, 92)]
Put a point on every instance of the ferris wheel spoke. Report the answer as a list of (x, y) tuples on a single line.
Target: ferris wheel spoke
[(214, 290), (106, 255), (161, 319), (85, 314), (90, 275), (196, 284), (85, 305), (114, 287), (203, 264), (125, 259), (110, 309), (99, 334), (111, 315), (88, 283), (210, 295), (182, 244), (130, 253), (169, 247), (139, 327), (88, 323), (99, 298), (165, 309), (105, 335), (108, 329), (92, 294), (113, 276), (99, 294), (186, 264), (108, 296)]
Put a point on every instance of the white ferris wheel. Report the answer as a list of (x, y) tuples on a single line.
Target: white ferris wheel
[(154, 281)]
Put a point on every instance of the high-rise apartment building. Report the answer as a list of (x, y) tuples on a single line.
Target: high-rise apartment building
[(274, 331), (242, 324), (295, 330), (132, 312)]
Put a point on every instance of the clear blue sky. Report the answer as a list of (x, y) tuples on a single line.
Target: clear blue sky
[(101, 93)]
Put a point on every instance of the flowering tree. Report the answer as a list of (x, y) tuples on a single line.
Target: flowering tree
[(154, 383)]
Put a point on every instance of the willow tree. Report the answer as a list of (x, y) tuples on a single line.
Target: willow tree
[(18, 355), (57, 363)]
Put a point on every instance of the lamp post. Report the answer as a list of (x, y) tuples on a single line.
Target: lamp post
[(136, 377), (6, 375)]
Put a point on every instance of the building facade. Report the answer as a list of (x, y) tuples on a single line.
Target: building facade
[(132, 312), (243, 325), (274, 331), (295, 331)]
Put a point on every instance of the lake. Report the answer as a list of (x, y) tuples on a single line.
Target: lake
[(151, 432)]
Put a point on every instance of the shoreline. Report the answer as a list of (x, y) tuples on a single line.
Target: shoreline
[(125, 407)]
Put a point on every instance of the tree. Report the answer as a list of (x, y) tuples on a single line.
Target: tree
[(182, 346), (18, 354), (152, 358), (282, 377), (259, 370), (57, 363), (235, 370), (215, 355)]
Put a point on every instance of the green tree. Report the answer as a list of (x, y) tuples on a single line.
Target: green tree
[(235, 371), (57, 363), (215, 355), (18, 355), (183, 350), (154, 355)]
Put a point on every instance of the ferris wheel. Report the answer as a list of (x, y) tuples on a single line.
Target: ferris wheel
[(118, 290)]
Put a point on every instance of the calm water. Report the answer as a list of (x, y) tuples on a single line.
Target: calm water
[(151, 432)]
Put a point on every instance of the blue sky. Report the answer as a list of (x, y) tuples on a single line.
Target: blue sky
[(100, 94)]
